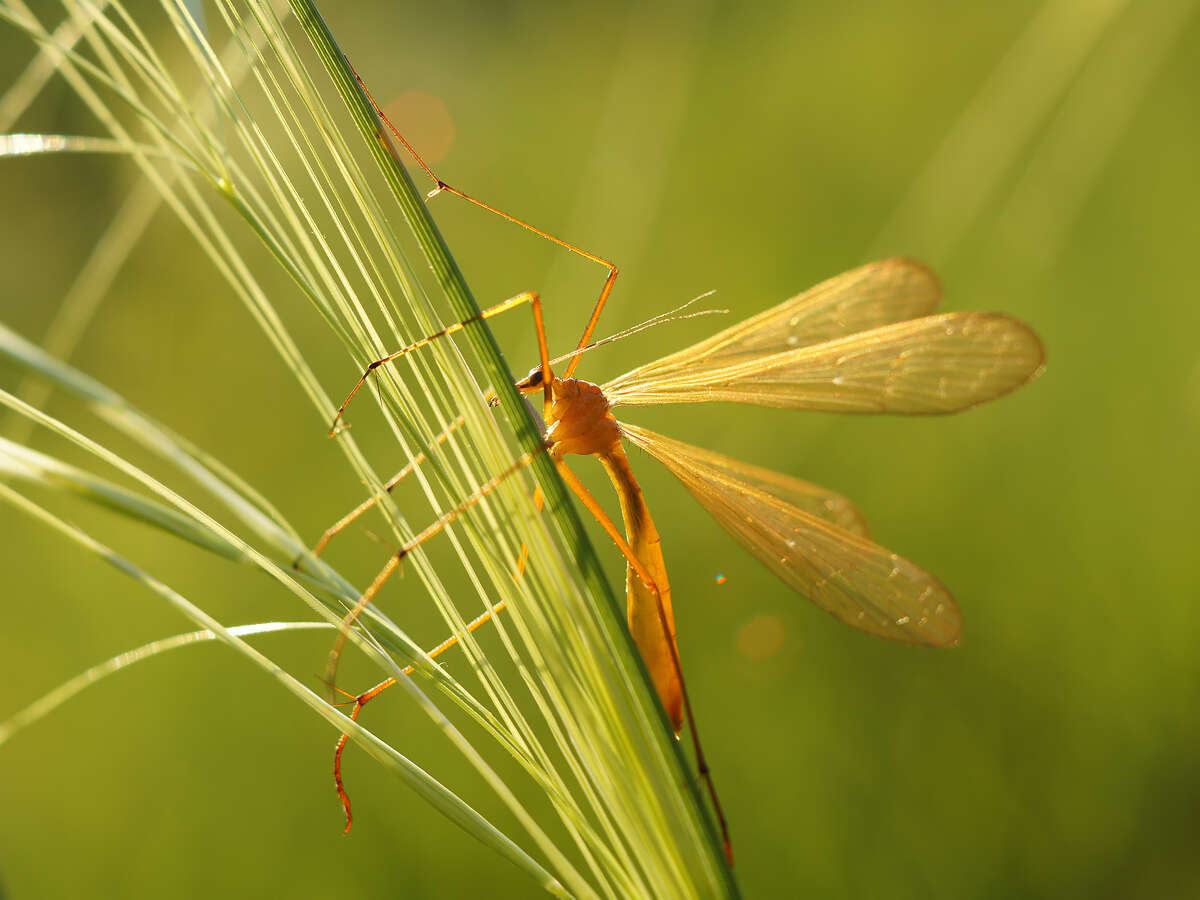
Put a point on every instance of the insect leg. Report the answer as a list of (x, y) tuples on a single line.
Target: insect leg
[(609, 281), (364, 698), (335, 654), (398, 557), (350, 517), (511, 303)]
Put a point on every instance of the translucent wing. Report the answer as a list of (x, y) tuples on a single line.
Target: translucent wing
[(857, 581), (937, 364), (878, 293), (814, 500)]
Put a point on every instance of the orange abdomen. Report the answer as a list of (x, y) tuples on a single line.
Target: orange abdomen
[(655, 643)]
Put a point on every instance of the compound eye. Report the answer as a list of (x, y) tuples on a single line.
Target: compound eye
[(532, 381)]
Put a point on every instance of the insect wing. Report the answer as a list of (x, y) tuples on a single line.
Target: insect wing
[(890, 290), (814, 500), (938, 364), (859, 582)]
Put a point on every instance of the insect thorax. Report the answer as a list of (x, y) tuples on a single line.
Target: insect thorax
[(579, 419)]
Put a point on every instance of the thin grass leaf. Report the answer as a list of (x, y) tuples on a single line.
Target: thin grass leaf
[(421, 782), (225, 485), (414, 777), (68, 690), (45, 144), (111, 407), (21, 463), (616, 640), (23, 91), (568, 697)]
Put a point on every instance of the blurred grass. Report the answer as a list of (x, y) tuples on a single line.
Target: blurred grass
[(1048, 755)]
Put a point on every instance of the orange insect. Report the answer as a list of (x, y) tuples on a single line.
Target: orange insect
[(866, 341)]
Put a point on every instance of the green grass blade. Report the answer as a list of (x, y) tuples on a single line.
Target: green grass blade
[(436, 794), (567, 695), (68, 690)]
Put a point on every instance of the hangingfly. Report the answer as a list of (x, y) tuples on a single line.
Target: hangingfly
[(866, 341)]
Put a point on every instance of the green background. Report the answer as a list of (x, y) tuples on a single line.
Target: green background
[(753, 149)]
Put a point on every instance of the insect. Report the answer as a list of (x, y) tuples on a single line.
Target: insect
[(866, 341)]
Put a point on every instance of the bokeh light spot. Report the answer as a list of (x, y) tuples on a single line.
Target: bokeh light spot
[(425, 122), (761, 638)]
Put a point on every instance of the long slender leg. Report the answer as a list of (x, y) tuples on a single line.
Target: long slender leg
[(610, 527), (442, 186), (346, 520), (367, 696), (581, 491), (362, 699), (397, 558), (447, 518), (516, 300), (535, 303)]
